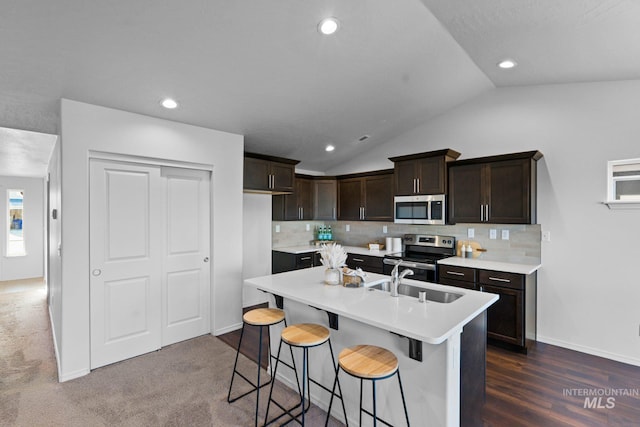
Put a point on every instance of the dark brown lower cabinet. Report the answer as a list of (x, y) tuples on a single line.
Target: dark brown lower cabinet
[(511, 319), (505, 317), (372, 264), (286, 261)]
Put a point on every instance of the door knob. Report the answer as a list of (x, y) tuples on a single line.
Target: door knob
[(206, 259), (96, 272)]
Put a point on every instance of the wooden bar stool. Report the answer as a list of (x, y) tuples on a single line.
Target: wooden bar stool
[(369, 362), (261, 317), (305, 336)]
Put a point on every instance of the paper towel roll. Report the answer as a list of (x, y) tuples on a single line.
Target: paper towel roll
[(389, 244), (397, 244)]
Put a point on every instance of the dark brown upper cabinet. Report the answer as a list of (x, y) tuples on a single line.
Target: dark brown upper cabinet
[(295, 206), (268, 174), (325, 199), (422, 173), (367, 196), (496, 189)]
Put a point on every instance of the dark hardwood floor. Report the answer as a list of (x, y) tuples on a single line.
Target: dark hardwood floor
[(545, 387)]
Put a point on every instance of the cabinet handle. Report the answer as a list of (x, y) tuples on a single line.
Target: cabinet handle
[(487, 215), (455, 273), (270, 181), (305, 258), (481, 213), (358, 260), (334, 213), (499, 279), (414, 185), (417, 185)]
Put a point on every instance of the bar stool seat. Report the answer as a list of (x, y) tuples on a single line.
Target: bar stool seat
[(304, 336), (262, 318), (370, 362)]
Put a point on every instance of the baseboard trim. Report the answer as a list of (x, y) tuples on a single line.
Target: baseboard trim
[(590, 350), (73, 375), (55, 342), (227, 329)]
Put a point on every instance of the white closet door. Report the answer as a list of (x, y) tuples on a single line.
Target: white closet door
[(186, 266), (126, 260)]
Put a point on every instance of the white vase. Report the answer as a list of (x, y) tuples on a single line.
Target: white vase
[(332, 276)]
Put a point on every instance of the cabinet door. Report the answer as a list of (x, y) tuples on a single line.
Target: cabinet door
[(509, 192), (457, 274), (405, 177), (378, 197), (256, 174), (505, 316), (282, 176), (325, 199), (465, 193), (284, 207), (349, 199), (304, 260), (431, 175), (304, 196), (372, 264)]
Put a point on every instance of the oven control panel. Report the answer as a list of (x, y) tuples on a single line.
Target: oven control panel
[(430, 240)]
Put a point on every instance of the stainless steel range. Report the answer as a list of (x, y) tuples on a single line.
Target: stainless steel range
[(421, 253)]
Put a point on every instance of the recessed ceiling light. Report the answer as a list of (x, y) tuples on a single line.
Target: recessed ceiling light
[(169, 103), (328, 26), (329, 148), (506, 64)]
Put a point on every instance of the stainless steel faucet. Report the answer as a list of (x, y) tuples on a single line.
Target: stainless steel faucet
[(396, 278)]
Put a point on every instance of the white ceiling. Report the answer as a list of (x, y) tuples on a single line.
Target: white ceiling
[(24, 153), (260, 68)]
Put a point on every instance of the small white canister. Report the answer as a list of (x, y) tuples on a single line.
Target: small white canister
[(397, 244)]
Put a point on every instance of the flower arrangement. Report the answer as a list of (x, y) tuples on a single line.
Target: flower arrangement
[(332, 255)]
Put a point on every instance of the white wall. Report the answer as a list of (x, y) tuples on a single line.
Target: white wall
[(589, 285), (32, 264), (85, 128), (256, 243)]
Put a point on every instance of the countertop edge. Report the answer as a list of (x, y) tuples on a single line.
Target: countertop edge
[(369, 320), (508, 267)]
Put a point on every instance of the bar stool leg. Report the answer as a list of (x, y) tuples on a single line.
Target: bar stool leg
[(258, 388), (361, 384), (375, 414), (235, 365), (404, 404), (266, 415)]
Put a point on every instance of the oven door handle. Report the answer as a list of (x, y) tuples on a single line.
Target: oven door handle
[(409, 264)]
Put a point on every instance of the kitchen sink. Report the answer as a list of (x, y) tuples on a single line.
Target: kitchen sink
[(412, 291)]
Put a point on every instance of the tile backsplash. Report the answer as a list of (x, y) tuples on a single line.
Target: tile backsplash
[(523, 244)]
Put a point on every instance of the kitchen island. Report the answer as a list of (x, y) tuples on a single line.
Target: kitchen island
[(426, 338)]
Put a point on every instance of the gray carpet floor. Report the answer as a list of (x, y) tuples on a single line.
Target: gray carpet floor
[(184, 384)]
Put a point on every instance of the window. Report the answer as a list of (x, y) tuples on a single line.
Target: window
[(623, 188), (15, 236)]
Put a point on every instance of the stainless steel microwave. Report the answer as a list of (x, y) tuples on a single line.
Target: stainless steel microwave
[(427, 209)]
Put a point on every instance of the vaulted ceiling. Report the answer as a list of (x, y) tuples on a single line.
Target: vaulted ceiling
[(261, 68)]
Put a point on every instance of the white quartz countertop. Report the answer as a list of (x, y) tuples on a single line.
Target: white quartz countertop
[(356, 250), (507, 267), (430, 322)]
